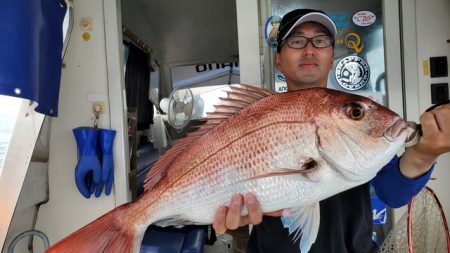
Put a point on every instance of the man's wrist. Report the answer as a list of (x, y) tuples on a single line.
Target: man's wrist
[(414, 163)]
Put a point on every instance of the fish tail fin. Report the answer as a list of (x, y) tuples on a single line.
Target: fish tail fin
[(105, 234)]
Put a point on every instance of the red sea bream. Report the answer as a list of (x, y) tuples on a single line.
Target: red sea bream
[(291, 150)]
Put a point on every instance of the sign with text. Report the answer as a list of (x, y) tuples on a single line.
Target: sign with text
[(205, 74)]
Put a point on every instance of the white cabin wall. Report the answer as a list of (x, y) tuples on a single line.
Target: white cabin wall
[(249, 38), (84, 74), (425, 32), (433, 31)]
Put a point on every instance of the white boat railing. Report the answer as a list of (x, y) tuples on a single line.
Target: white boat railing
[(24, 134)]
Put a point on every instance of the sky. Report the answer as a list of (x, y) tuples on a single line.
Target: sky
[(9, 105)]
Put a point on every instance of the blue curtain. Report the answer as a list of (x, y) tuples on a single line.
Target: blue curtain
[(137, 83), (31, 42)]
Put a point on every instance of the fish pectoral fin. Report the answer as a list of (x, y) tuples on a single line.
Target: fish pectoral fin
[(304, 221), (309, 166), (279, 172)]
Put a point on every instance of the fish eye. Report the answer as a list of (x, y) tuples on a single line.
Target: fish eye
[(355, 112)]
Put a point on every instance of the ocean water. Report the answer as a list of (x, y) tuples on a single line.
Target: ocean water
[(9, 108), (6, 125), (3, 147)]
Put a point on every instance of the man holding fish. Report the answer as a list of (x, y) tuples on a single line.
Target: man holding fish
[(305, 56), (294, 151)]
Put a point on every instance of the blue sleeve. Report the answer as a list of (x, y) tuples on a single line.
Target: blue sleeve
[(393, 188)]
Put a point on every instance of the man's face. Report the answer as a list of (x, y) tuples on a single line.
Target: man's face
[(306, 67)]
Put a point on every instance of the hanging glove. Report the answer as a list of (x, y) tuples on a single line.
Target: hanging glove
[(105, 142), (88, 169)]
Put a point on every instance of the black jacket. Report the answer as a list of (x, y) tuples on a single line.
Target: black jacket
[(345, 226)]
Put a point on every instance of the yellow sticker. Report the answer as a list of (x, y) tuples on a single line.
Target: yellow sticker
[(353, 41), (425, 68), (86, 36)]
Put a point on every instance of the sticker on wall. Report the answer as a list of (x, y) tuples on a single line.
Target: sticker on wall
[(352, 72), (279, 76), (364, 18), (339, 18), (353, 41), (425, 68), (280, 87), (271, 30), (86, 36), (280, 82)]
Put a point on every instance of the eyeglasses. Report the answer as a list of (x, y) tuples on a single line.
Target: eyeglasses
[(299, 42)]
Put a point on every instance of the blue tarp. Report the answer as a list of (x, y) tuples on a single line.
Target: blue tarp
[(31, 43)]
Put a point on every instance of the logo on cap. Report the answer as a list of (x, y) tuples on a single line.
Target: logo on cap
[(352, 72)]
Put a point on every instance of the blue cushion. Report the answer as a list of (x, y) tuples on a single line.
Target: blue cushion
[(162, 242), (173, 241), (194, 241)]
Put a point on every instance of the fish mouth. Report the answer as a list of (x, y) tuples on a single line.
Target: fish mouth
[(395, 131), (414, 133)]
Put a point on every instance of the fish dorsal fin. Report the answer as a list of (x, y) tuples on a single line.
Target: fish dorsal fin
[(304, 221), (238, 97)]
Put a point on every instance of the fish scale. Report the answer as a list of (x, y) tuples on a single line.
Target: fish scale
[(237, 162)]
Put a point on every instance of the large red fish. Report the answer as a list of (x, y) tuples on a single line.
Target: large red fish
[(291, 149)]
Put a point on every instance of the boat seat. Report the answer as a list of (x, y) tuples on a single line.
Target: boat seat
[(190, 239)]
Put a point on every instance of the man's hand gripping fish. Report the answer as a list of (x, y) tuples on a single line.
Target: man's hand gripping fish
[(291, 150)]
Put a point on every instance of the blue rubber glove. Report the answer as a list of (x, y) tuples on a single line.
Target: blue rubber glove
[(98, 188), (88, 168), (106, 140)]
